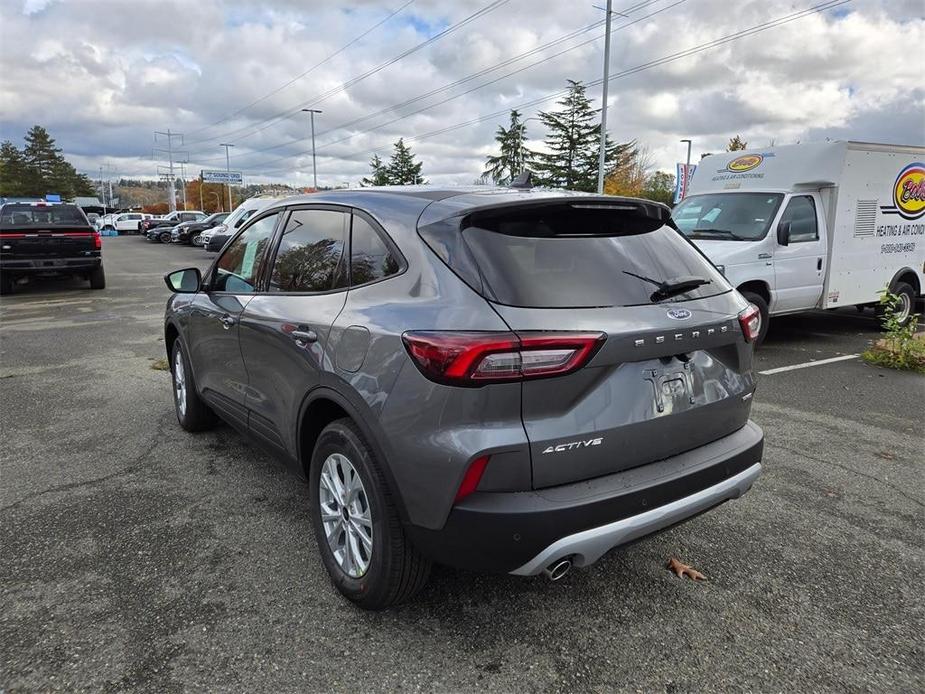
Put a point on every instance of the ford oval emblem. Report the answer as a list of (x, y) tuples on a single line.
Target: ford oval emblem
[(679, 313)]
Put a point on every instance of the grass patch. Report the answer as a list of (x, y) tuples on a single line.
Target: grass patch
[(160, 364), (908, 356)]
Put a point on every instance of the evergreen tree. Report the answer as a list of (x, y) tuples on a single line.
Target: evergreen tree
[(12, 171), (402, 169), (380, 174), (574, 143), (736, 144), (43, 162), (514, 156)]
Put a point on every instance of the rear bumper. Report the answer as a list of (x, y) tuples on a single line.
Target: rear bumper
[(31, 265), (523, 532)]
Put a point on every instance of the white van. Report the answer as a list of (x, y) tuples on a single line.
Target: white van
[(811, 226), (232, 222)]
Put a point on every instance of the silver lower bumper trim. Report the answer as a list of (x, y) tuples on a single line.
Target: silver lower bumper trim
[(590, 545)]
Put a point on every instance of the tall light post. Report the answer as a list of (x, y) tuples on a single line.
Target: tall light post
[(228, 170), (687, 169), (603, 153), (312, 112)]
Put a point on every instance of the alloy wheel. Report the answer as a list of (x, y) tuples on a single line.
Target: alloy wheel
[(346, 515), (179, 383)]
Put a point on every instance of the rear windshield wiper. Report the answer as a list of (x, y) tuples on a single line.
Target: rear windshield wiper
[(718, 232), (670, 287)]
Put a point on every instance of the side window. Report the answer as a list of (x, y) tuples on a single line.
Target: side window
[(238, 268), (370, 257), (801, 213), (310, 255)]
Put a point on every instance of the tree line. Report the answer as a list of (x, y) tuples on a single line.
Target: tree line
[(39, 169)]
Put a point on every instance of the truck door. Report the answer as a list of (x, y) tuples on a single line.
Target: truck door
[(799, 267)]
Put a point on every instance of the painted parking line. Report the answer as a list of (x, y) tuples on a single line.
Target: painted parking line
[(807, 364)]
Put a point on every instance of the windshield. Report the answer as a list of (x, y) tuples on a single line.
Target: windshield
[(728, 216)]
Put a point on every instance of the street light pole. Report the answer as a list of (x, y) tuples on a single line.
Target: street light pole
[(228, 170), (312, 112), (603, 153)]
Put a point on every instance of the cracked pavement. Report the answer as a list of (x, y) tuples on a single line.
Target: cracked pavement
[(139, 557)]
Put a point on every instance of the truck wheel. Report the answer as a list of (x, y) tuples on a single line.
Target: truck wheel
[(762, 305), (360, 537), (97, 278), (192, 413), (906, 301)]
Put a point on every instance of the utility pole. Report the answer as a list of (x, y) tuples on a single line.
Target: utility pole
[(169, 136), (603, 153), (228, 170), (312, 112), (102, 190), (201, 205), (183, 181)]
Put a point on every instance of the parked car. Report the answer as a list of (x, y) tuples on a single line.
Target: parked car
[(187, 231), (501, 380), (812, 225), (41, 238), (160, 230), (93, 218), (129, 222), (106, 222), (214, 239)]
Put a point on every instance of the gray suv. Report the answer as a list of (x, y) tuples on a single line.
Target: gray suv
[(496, 379)]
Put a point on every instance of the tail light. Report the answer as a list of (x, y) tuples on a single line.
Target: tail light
[(478, 358), (97, 241), (750, 320)]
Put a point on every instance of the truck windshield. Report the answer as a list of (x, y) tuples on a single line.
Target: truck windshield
[(727, 216), (25, 215)]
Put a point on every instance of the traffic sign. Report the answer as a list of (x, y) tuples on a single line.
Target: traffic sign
[(222, 177)]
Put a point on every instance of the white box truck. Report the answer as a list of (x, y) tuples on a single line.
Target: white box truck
[(808, 226)]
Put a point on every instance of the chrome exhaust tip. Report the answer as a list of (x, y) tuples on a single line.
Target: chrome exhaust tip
[(558, 569)]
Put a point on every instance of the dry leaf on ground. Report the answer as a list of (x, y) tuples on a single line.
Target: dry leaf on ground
[(683, 570)]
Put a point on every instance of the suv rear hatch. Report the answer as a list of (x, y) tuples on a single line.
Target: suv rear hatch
[(36, 231), (674, 371)]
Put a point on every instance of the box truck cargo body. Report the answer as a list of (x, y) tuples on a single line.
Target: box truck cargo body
[(808, 226)]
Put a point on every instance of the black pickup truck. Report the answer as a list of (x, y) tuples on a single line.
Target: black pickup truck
[(38, 238)]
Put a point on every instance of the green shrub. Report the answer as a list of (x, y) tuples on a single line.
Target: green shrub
[(900, 347)]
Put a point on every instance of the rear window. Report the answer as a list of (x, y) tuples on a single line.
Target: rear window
[(18, 216), (568, 257)]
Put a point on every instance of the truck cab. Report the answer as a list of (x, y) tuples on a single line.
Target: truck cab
[(802, 227)]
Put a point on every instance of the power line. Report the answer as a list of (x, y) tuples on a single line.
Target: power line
[(303, 74), (469, 78), (477, 87), (735, 36), (267, 122)]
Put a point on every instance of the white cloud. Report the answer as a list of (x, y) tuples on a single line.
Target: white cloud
[(103, 75)]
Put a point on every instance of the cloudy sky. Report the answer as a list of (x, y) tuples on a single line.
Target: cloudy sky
[(103, 75)]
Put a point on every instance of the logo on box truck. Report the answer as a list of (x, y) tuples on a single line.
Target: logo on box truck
[(744, 163), (908, 193)]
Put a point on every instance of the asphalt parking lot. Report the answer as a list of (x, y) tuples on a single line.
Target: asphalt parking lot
[(137, 556)]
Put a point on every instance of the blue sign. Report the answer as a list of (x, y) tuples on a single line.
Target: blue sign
[(52, 197)]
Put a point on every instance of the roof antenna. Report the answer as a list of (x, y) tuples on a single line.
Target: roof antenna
[(523, 180)]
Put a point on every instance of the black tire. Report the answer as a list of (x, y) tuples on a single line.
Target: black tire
[(164, 237), (97, 278), (762, 305), (907, 294), (6, 283), (396, 570), (195, 415)]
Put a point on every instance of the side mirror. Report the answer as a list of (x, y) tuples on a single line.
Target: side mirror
[(186, 281), (783, 233)]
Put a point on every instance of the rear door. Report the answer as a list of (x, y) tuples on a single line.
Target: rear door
[(674, 373), (284, 330)]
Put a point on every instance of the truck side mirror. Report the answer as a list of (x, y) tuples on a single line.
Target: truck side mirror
[(783, 233)]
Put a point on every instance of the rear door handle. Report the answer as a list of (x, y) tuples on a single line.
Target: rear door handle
[(819, 263), (228, 321), (304, 335)]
